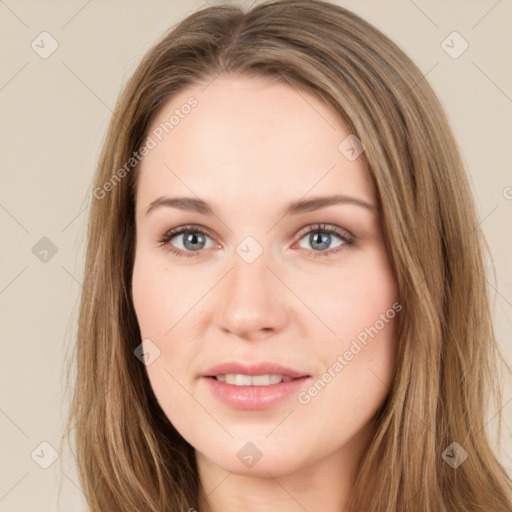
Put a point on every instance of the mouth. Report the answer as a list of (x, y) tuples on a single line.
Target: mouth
[(253, 374), (239, 379), (253, 386)]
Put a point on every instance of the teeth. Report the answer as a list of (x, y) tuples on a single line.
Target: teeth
[(239, 379), (275, 379)]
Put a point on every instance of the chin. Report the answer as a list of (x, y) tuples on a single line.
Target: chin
[(253, 456)]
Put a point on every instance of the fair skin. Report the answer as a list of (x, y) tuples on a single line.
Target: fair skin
[(248, 149)]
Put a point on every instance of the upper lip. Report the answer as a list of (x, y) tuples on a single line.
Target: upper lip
[(262, 368)]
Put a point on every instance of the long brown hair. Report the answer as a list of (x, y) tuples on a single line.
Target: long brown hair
[(129, 456)]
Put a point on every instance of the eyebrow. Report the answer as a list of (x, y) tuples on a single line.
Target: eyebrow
[(293, 208)]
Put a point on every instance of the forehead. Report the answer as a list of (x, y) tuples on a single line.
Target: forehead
[(249, 140)]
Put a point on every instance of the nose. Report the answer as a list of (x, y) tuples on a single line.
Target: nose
[(252, 303)]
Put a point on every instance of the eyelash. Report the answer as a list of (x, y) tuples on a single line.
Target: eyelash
[(348, 240)]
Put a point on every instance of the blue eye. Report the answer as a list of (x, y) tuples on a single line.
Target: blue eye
[(194, 240), (320, 238), (192, 237)]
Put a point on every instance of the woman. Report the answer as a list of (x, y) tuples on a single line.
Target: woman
[(284, 299)]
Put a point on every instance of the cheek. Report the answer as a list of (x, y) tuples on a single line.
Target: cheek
[(161, 296), (350, 299), (357, 369), (361, 308), (164, 302)]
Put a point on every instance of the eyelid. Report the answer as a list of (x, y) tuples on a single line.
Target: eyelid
[(329, 228)]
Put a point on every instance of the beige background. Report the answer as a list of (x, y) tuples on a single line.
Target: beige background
[(55, 113)]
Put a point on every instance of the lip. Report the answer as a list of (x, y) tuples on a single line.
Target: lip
[(253, 397), (262, 368)]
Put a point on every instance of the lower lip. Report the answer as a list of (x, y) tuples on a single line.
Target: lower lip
[(254, 397)]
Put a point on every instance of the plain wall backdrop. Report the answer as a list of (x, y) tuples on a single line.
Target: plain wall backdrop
[(55, 113)]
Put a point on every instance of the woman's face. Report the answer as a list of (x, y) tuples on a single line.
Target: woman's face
[(270, 278)]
